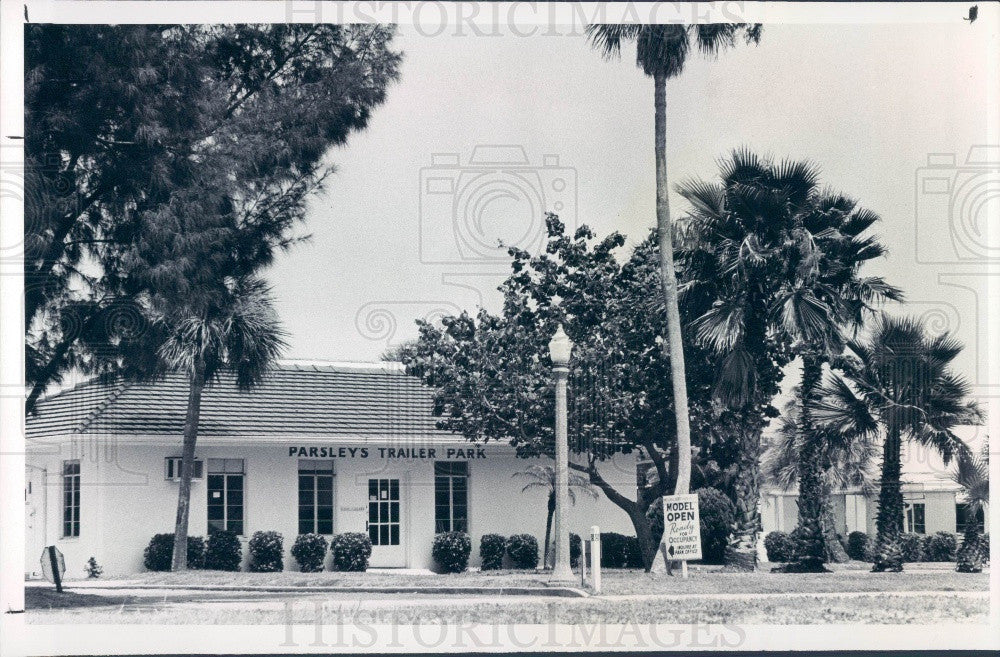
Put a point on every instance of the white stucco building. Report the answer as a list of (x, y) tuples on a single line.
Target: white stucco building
[(325, 448)]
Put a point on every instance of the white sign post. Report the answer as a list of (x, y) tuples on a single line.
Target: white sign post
[(682, 528)]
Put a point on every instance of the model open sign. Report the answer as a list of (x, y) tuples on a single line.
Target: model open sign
[(682, 527)]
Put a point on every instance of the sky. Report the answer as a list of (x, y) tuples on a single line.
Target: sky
[(405, 227)]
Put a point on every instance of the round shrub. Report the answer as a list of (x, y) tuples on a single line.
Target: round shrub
[(912, 547), (633, 555), (267, 551), (613, 549), (351, 551), (523, 551), (575, 549), (940, 546), (717, 514), (309, 550), (196, 552), (451, 551), (159, 554), (491, 549), (223, 552), (859, 546), (779, 547)]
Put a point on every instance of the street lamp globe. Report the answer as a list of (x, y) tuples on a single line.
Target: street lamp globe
[(560, 348)]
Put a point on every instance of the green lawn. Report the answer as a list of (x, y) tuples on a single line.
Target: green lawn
[(851, 594)]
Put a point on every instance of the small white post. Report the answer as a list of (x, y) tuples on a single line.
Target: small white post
[(684, 569), (595, 557), (583, 563)]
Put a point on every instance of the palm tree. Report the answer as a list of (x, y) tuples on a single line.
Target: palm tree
[(661, 51), (776, 262), (848, 462), (235, 329), (972, 473), (898, 382), (544, 476)]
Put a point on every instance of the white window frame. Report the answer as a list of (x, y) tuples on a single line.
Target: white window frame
[(315, 474), (172, 469), (226, 473), (71, 486)]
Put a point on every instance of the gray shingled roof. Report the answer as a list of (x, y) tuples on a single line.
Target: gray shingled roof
[(297, 398)]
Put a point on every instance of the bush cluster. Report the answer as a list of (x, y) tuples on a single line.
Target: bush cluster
[(309, 551), (491, 551), (779, 546), (940, 546), (267, 550), (859, 546), (620, 551), (223, 552), (912, 547), (159, 554), (351, 551), (523, 551), (451, 551)]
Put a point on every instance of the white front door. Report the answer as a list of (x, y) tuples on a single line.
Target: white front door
[(385, 522)]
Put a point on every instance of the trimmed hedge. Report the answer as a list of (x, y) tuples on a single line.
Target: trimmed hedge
[(859, 546), (351, 551), (491, 550), (779, 546), (451, 551), (940, 546), (912, 547), (267, 551), (309, 551), (223, 552), (523, 551), (159, 554)]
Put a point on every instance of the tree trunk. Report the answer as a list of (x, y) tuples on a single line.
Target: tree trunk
[(197, 385), (835, 551), (669, 280), (742, 553), (811, 548), (971, 554), (549, 556), (889, 521)]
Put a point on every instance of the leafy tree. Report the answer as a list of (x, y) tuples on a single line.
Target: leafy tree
[(544, 477), (237, 330), (848, 461), (661, 51), (898, 381), (144, 142), (972, 473), (493, 380)]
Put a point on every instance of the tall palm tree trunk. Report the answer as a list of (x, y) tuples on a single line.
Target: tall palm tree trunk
[(669, 280), (835, 551), (889, 521), (197, 386), (742, 553), (811, 549)]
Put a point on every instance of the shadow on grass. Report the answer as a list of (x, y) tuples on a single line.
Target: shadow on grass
[(45, 598)]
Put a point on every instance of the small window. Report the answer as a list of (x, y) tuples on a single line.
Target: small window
[(961, 509), (172, 468), (225, 489), (71, 498), (915, 514), (316, 496), (451, 496)]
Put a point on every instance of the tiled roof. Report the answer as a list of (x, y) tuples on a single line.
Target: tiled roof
[(297, 398)]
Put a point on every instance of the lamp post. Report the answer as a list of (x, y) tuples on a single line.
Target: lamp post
[(560, 348)]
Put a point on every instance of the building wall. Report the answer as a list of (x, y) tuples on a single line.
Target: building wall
[(125, 499)]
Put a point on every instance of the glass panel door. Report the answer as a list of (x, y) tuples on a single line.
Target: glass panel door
[(383, 511)]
